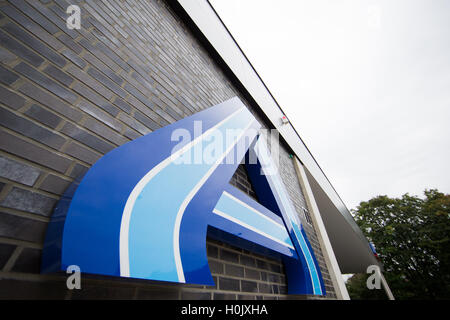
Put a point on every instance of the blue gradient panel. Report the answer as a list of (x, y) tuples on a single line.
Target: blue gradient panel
[(144, 209)]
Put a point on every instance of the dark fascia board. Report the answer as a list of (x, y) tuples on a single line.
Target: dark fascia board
[(204, 22)]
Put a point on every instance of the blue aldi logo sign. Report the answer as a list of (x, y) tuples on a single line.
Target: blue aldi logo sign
[(144, 210)]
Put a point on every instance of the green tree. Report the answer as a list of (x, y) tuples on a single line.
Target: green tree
[(411, 237)]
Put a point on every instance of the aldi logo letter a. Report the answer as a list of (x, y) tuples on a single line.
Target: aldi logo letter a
[(140, 212)]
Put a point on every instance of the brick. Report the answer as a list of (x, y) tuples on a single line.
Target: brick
[(36, 290), (29, 201), (139, 96), (95, 292), (29, 261), (18, 172), (74, 58), (32, 27), (168, 95), (114, 57), (91, 83), (216, 282), (36, 16), (122, 105), (86, 138), (246, 297), (106, 82), (224, 296), (242, 187), (97, 100), (164, 116), (56, 9), (81, 153), (103, 30), (229, 256), (272, 277), (45, 117), (61, 24), (275, 289), (58, 75), (34, 43), (105, 132), (172, 113), (15, 227), (27, 128), (75, 47), (134, 124), (140, 106), (21, 148), (185, 103), (131, 134), (54, 184), (78, 171), (7, 77), (249, 286), (146, 121), (192, 295), (48, 100), (275, 268), (252, 274), (247, 261), (262, 264), (20, 50), (11, 99), (157, 293), (229, 284), (100, 65), (215, 267), (264, 276), (212, 251), (6, 57), (233, 270), (98, 114), (264, 288), (6, 251), (46, 82)]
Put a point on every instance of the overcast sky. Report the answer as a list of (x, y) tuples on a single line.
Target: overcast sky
[(365, 83)]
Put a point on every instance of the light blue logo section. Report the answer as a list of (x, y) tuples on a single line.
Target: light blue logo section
[(241, 213)]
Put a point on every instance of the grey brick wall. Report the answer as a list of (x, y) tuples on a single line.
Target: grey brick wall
[(241, 181), (69, 96)]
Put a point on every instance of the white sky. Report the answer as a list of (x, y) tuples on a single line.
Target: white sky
[(365, 83)]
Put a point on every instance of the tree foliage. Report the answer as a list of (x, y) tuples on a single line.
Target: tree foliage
[(411, 237)]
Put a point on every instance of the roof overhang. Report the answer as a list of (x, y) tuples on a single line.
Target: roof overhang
[(350, 246)]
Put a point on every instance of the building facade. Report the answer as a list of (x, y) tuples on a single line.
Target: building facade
[(69, 96)]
